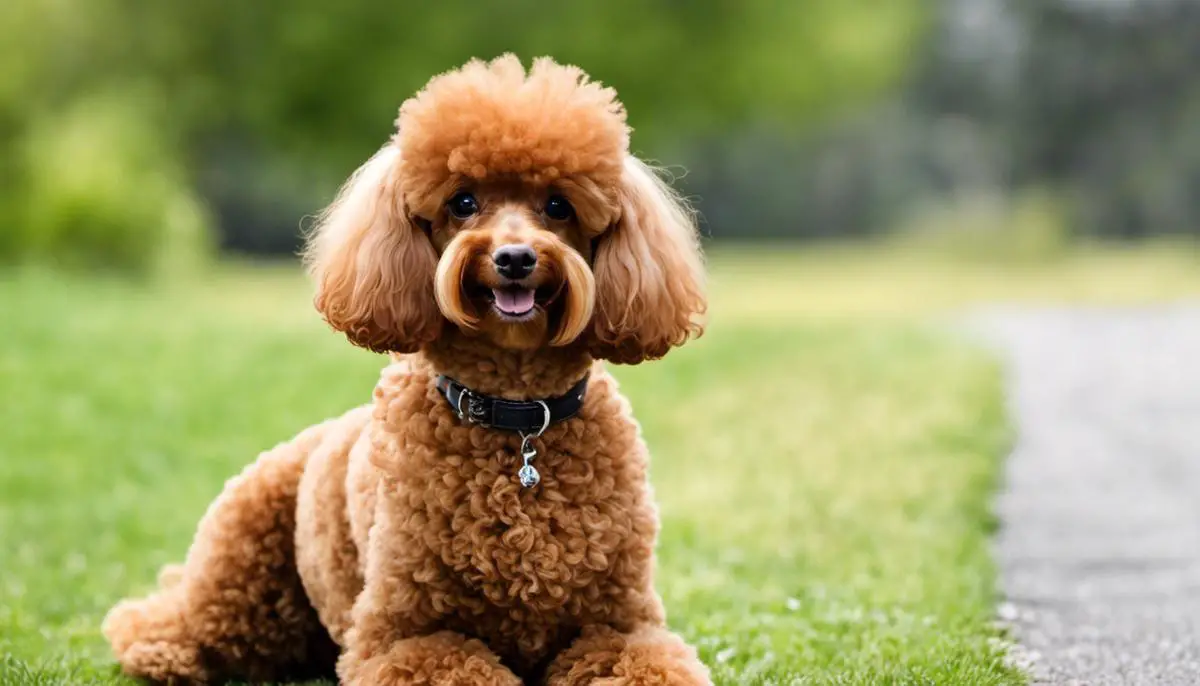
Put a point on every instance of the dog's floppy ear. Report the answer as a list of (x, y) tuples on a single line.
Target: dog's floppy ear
[(373, 268), (649, 272)]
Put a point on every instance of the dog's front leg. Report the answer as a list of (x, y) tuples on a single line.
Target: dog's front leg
[(441, 658), (395, 636), (647, 655), (386, 647)]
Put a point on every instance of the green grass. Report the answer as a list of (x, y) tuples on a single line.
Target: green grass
[(824, 481), (897, 282)]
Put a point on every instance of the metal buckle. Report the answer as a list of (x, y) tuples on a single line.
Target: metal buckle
[(458, 405), (477, 410)]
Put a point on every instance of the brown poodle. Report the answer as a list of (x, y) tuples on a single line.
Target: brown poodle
[(487, 518)]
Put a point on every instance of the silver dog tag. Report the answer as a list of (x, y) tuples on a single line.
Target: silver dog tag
[(528, 474)]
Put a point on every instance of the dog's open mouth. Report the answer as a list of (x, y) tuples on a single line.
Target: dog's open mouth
[(518, 302), (514, 301)]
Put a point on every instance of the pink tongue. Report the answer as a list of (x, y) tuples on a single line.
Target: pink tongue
[(513, 300)]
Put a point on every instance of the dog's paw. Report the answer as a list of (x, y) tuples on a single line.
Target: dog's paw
[(163, 661)]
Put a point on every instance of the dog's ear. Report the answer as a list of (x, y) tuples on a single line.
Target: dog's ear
[(373, 269), (649, 272)]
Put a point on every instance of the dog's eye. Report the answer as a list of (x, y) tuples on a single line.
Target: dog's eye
[(463, 205), (557, 207)]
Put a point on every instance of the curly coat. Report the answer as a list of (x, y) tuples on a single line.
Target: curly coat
[(395, 542)]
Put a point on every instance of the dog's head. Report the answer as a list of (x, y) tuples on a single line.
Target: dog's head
[(508, 205)]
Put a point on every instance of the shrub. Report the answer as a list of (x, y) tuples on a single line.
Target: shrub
[(1031, 226), (98, 187)]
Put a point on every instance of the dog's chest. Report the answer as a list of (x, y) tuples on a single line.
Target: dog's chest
[(551, 558), (546, 549)]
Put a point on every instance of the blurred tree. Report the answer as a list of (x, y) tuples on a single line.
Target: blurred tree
[(270, 107), (1090, 104), (261, 109), (101, 190), (1095, 99), (1108, 111)]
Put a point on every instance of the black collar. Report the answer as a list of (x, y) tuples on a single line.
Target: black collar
[(526, 417)]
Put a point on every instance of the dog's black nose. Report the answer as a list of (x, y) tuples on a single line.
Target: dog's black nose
[(514, 261)]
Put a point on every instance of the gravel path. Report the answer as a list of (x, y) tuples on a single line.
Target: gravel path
[(1100, 522)]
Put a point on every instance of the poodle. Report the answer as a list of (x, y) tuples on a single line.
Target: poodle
[(487, 518)]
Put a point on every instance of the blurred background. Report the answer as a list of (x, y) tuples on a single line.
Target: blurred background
[(140, 136), (863, 168)]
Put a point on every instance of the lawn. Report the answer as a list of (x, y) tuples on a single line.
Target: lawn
[(824, 458)]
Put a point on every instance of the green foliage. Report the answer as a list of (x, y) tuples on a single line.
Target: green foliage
[(341, 70), (1029, 227), (304, 95), (101, 189)]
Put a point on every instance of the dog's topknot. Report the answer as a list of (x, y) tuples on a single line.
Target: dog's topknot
[(491, 119)]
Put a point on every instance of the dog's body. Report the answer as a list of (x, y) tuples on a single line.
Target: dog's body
[(398, 535)]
